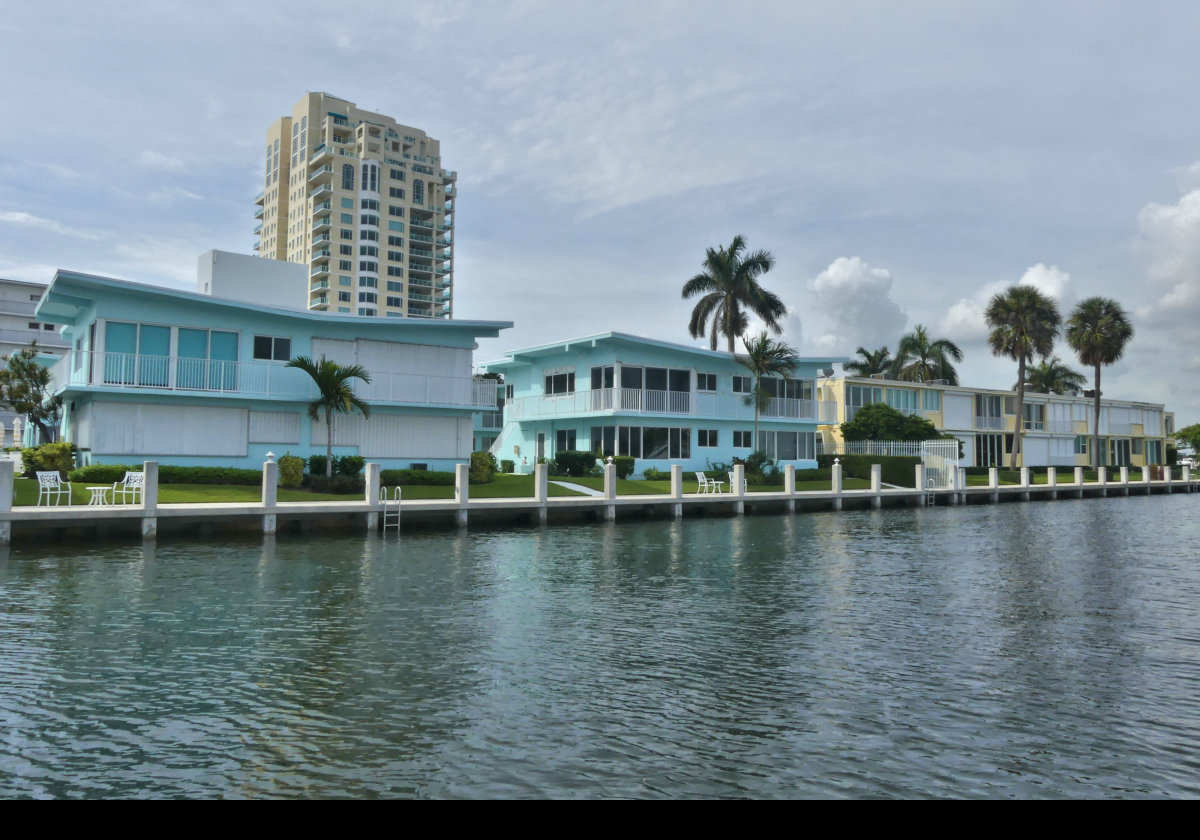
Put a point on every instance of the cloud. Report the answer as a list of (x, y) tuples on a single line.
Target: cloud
[(851, 302), (1050, 281), (22, 219), (157, 160), (964, 320)]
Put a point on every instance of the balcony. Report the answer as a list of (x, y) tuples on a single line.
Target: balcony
[(323, 189), (321, 224), (990, 423), (317, 302), (325, 205), (319, 287), (684, 403), (319, 154), (420, 237), (420, 252), (321, 238), (323, 254), (258, 229), (266, 379), (491, 420), (323, 173), (421, 223), (319, 271), (261, 197), (417, 297), (258, 211)]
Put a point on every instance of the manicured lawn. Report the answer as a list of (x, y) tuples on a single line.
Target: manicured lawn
[(502, 486), (638, 487), (1012, 477)]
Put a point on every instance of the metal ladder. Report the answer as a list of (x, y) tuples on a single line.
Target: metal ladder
[(390, 503)]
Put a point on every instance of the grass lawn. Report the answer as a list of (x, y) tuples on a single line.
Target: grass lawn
[(639, 487), (502, 486), (1010, 478)]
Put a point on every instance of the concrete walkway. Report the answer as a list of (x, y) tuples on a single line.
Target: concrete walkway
[(579, 488)]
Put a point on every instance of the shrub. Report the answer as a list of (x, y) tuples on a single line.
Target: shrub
[(651, 474), (343, 484), (624, 465), (102, 473), (49, 456), (169, 474), (508, 467), (348, 465), (897, 469), (879, 421), (574, 462), (291, 471), (427, 478), (483, 467), (316, 465)]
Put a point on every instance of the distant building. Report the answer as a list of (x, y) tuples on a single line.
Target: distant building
[(1057, 428), (197, 379), (363, 203), (19, 328), (658, 402)]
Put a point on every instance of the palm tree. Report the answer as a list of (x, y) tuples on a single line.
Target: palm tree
[(335, 395), (873, 361), (730, 291), (765, 357), (1098, 331), (919, 359), (1024, 324), (1053, 377)]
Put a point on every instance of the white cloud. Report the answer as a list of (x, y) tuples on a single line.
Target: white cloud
[(1050, 281), (22, 219), (964, 320), (851, 302), (157, 160)]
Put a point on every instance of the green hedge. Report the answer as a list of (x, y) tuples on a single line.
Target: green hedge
[(49, 457), (624, 465), (574, 462), (482, 467), (425, 478), (900, 470), (168, 474)]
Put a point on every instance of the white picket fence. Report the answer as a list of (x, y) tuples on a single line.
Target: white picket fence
[(940, 457)]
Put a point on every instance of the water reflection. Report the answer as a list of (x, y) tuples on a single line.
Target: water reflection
[(1041, 649)]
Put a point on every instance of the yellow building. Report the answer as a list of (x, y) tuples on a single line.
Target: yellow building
[(1057, 429), (363, 202)]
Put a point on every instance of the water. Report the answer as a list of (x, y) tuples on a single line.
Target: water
[(1045, 649)]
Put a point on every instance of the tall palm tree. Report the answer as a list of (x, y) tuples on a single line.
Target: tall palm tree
[(1024, 324), (335, 394), (1051, 376), (873, 361), (765, 357), (920, 359), (1098, 331), (730, 291)]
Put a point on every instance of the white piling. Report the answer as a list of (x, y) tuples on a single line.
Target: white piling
[(677, 490), (150, 499), (462, 492), (835, 484), (610, 491), (541, 490), (789, 486), (371, 497), (270, 492), (877, 485), (738, 479)]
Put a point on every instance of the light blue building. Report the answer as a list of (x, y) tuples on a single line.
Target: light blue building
[(658, 402), (192, 379)]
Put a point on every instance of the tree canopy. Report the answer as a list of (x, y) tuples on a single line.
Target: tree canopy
[(25, 386), (879, 421), (729, 290)]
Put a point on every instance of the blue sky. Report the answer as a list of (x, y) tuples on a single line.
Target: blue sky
[(902, 161)]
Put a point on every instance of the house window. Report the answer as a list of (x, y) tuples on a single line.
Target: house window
[(564, 439), (367, 297), (418, 196), (742, 384), (560, 383), (345, 297), (368, 204), (347, 177), (272, 348), (1136, 446), (394, 301), (742, 440), (706, 382), (369, 282), (932, 400), (788, 446), (706, 437), (1081, 444), (33, 325)]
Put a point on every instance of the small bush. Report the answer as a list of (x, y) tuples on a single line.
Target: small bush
[(508, 467), (624, 465), (316, 464), (341, 484), (169, 474), (651, 474), (483, 467), (348, 465), (291, 471), (102, 473), (49, 456), (426, 478), (574, 462)]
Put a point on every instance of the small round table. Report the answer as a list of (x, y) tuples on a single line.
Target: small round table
[(99, 495)]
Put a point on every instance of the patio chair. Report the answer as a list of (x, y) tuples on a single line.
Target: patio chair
[(129, 488), (704, 484), (51, 486)]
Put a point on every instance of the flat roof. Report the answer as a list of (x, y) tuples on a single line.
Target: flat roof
[(62, 307), (514, 356)]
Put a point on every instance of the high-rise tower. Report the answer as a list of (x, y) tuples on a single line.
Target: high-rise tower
[(363, 202)]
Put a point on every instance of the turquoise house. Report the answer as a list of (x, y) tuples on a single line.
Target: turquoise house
[(192, 379), (661, 403)]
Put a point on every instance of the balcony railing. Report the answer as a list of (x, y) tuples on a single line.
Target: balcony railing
[(644, 401), (491, 420), (989, 422), (262, 379)]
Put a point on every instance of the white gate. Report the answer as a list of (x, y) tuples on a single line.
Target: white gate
[(940, 457)]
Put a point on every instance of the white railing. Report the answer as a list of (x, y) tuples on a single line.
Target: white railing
[(491, 420), (680, 403), (989, 422), (266, 379)]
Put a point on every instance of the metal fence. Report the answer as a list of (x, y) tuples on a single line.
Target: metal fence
[(940, 457)]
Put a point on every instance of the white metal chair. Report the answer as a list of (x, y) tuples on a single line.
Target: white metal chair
[(51, 486), (704, 484), (129, 488)]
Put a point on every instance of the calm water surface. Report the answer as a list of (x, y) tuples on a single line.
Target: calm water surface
[(1045, 649)]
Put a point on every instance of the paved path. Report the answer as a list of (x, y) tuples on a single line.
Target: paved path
[(579, 488)]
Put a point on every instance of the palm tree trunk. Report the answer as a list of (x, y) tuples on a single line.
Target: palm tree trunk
[(1096, 422), (729, 313), (1019, 437), (328, 442)]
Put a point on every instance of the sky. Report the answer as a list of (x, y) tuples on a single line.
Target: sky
[(902, 161)]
